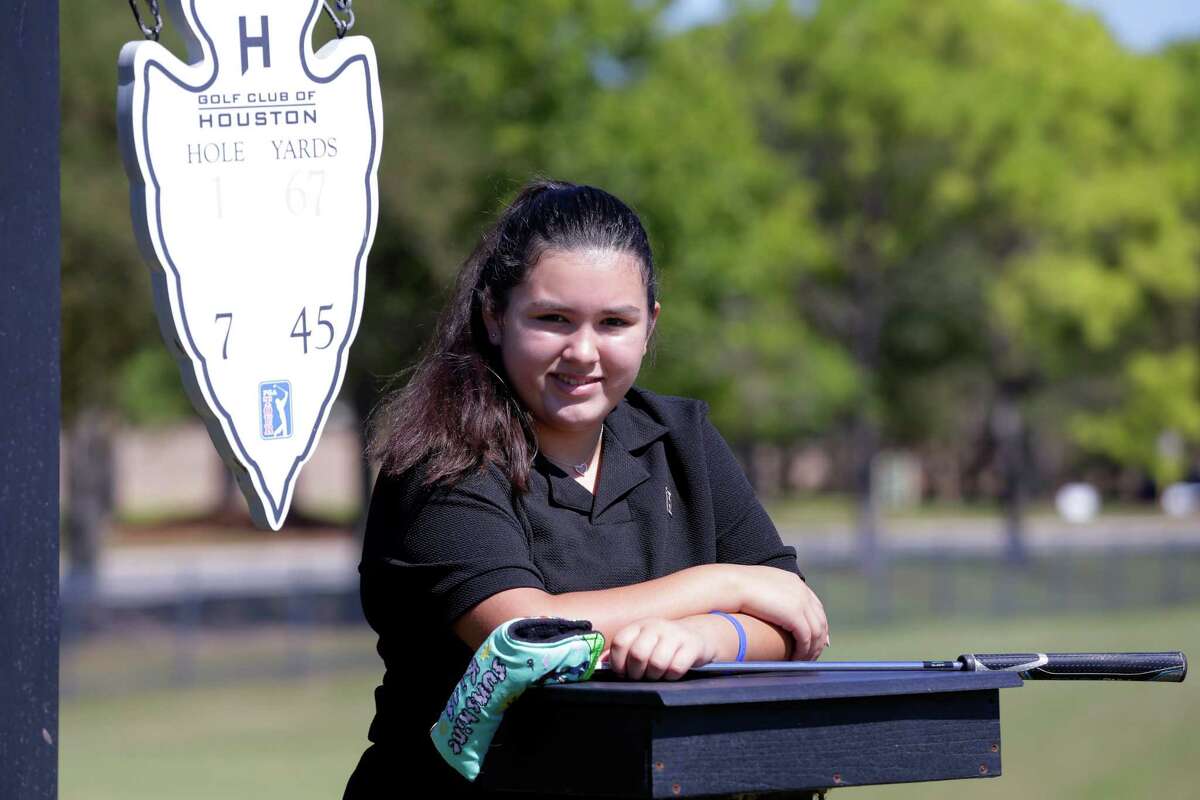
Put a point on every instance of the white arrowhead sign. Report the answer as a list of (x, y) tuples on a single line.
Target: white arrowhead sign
[(252, 172)]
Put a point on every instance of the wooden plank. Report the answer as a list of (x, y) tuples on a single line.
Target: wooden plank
[(570, 750), (610, 739), (820, 744)]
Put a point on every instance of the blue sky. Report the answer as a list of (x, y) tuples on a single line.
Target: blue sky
[(1148, 24), (1140, 24)]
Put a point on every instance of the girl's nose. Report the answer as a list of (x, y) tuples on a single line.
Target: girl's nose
[(581, 346)]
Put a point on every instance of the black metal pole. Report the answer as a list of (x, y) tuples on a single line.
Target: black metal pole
[(29, 411)]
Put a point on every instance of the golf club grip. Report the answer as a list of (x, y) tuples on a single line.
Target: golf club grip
[(1169, 666)]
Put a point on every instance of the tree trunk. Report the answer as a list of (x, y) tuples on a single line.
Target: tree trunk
[(1008, 429), (89, 501), (871, 297), (865, 437)]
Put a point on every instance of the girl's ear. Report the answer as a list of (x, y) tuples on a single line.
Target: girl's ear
[(650, 328)]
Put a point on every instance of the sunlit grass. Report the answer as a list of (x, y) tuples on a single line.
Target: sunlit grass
[(819, 514), (291, 739)]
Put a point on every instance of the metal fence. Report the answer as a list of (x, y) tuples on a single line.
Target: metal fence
[(201, 628)]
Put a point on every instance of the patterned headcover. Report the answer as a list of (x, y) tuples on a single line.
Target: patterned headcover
[(522, 652)]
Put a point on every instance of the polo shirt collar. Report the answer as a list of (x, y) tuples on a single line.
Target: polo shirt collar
[(626, 430), (565, 490), (632, 427)]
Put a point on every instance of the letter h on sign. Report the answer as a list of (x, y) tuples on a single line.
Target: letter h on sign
[(263, 40)]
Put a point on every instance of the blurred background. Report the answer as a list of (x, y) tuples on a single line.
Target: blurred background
[(935, 265)]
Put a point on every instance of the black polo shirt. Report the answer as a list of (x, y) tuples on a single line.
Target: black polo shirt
[(669, 495)]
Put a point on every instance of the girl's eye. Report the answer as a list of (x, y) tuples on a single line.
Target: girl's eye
[(617, 322), (552, 318)]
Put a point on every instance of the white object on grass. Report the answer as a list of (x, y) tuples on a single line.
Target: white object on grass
[(1181, 499), (1077, 502)]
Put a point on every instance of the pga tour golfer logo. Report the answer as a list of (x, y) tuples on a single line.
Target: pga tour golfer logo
[(252, 170), (276, 409)]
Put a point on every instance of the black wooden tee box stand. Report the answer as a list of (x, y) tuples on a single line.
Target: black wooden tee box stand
[(749, 734)]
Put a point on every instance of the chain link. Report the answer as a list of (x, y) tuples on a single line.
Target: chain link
[(147, 31), (342, 25)]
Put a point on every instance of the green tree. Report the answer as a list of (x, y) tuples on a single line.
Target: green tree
[(989, 179), (1154, 421)]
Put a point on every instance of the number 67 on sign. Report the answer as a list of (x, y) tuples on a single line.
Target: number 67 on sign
[(252, 172)]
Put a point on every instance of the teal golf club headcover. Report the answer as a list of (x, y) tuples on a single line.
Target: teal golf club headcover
[(520, 653)]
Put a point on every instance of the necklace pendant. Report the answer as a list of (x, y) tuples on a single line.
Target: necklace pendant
[(581, 469)]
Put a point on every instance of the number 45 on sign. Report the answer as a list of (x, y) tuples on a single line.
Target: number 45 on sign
[(252, 171)]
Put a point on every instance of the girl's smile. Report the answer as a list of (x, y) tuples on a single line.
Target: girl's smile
[(575, 386)]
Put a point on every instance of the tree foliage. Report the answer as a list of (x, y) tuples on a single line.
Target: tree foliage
[(1001, 189), (878, 217)]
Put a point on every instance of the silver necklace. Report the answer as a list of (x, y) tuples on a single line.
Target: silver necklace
[(579, 469)]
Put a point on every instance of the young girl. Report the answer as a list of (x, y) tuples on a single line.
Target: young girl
[(525, 475)]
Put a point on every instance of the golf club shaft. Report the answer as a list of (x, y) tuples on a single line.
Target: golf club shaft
[(1164, 666), (830, 666)]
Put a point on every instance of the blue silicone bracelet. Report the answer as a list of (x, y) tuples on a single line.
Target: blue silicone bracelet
[(741, 632)]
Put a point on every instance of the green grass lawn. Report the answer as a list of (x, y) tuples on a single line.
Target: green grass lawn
[(299, 739)]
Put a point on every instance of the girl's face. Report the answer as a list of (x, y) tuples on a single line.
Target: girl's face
[(573, 337)]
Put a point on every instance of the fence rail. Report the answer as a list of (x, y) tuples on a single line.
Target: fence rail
[(299, 611)]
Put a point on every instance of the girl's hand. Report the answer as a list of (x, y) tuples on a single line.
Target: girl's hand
[(784, 599), (657, 648)]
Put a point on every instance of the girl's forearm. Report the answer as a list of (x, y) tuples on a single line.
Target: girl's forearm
[(764, 642), (687, 593)]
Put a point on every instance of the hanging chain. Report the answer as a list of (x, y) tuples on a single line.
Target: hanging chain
[(342, 25), (147, 31)]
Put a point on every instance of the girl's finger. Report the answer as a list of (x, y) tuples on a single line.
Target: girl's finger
[(639, 654), (664, 654), (619, 651), (803, 636), (685, 658), (816, 622)]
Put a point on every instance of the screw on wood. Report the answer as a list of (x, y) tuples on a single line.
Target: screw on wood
[(676, 788), (995, 748), (837, 777), (983, 770), (659, 766)]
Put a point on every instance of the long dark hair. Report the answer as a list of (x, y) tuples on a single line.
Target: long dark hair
[(457, 414)]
